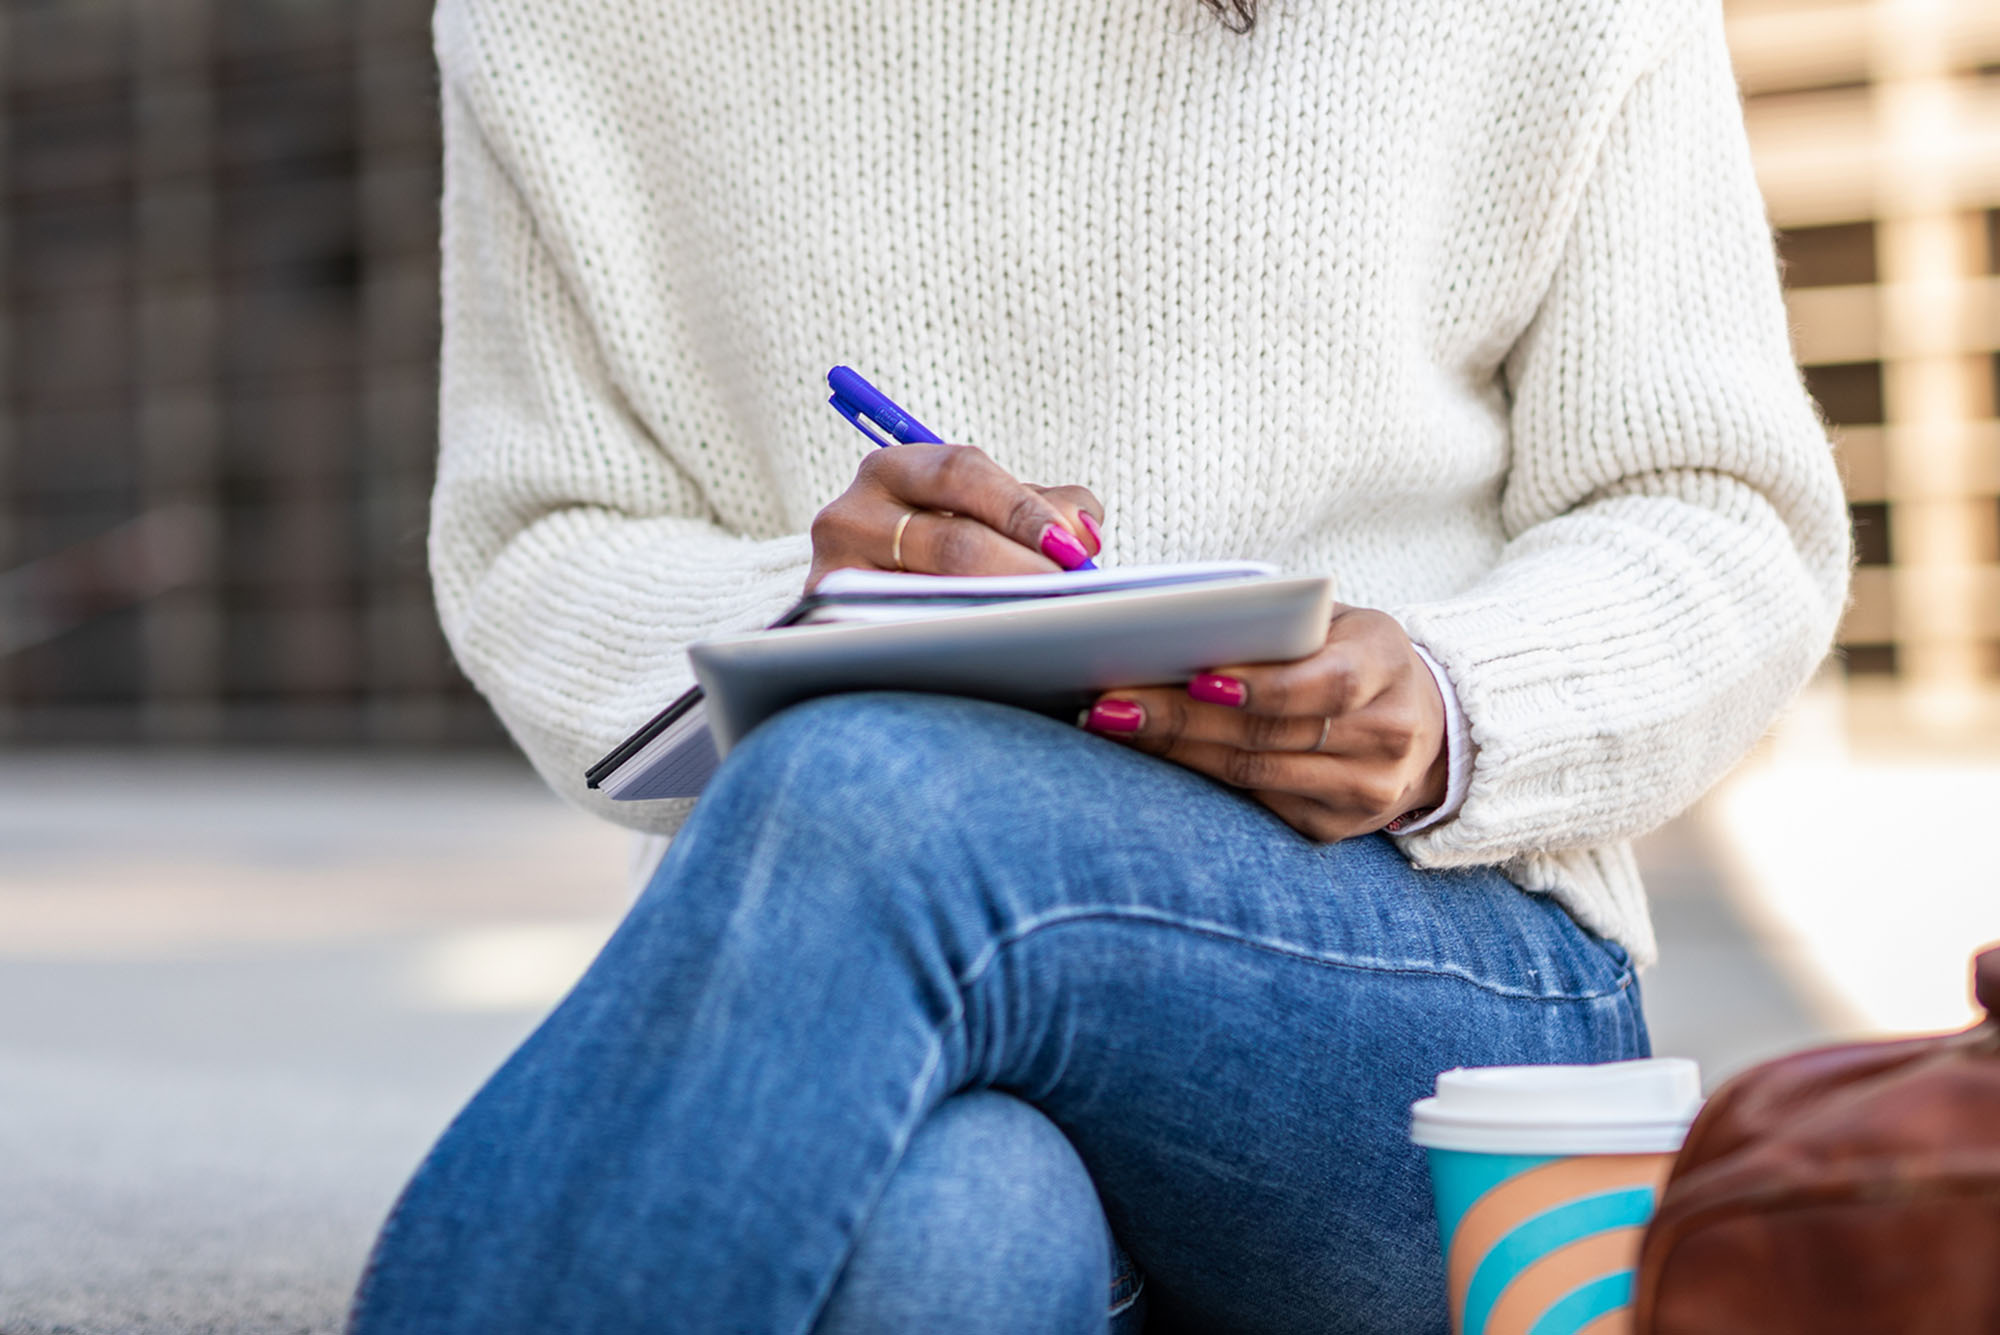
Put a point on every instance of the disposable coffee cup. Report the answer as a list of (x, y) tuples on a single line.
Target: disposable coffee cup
[(1545, 1177)]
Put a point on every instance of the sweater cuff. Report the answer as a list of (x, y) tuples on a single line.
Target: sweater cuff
[(1458, 755), (1529, 688)]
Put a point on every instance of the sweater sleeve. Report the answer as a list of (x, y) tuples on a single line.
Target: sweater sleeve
[(573, 559), (1677, 549)]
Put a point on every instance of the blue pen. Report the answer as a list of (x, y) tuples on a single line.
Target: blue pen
[(880, 420)]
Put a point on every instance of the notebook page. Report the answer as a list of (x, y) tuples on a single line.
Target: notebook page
[(896, 583)]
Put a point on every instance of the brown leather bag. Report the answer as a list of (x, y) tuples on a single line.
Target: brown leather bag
[(1851, 1189)]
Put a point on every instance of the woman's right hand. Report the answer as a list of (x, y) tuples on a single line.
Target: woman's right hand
[(965, 516)]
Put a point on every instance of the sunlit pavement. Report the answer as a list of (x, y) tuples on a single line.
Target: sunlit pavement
[(1870, 877), (239, 996), (237, 999)]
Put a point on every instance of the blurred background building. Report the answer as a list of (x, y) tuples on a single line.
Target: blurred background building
[(218, 337), (274, 895), (1877, 133)]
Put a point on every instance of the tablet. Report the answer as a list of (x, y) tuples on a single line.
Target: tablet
[(1050, 655)]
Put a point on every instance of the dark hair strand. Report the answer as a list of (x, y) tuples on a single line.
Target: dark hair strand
[(1237, 15)]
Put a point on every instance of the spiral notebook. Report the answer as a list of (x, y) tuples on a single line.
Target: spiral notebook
[(1050, 643)]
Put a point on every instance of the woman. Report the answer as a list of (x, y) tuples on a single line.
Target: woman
[(942, 1016)]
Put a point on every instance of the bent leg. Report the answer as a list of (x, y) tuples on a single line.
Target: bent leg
[(990, 1226), (886, 900)]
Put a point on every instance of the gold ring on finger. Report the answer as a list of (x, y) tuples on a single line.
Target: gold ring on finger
[(1325, 731), (896, 542)]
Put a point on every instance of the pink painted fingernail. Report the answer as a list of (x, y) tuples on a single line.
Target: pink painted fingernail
[(1115, 716), (1061, 546), (1090, 527), (1216, 690)]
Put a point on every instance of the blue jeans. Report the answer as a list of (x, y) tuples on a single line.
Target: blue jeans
[(931, 1000)]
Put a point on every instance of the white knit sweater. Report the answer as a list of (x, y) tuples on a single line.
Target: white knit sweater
[(1470, 303)]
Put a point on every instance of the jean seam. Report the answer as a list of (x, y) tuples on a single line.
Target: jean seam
[(1074, 914), (933, 1061), (973, 972), (1138, 1287)]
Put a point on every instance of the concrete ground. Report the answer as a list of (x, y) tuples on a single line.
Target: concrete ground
[(240, 995)]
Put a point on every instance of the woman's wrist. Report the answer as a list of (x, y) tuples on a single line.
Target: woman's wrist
[(1450, 774)]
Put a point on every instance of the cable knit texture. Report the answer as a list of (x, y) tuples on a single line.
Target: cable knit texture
[(1471, 305)]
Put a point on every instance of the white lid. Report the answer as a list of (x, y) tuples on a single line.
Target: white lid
[(1635, 1107)]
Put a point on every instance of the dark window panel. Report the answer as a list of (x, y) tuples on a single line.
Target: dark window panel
[(61, 247), (46, 523), (178, 115), (399, 105), (95, 663), (288, 333), (175, 224), (402, 316), (396, 26), (277, 434), (1869, 660), (1831, 85), (84, 451), (240, 314), (233, 67), (283, 719), (319, 654), (406, 651), (1828, 256), (298, 648), (65, 45), (44, 723), (303, 232), (400, 421), (397, 207), (70, 146), (393, 522), (1850, 394), (279, 720), (286, 128), (279, 540), (1871, 533), (72, 350), (175, 331), (249, 30)]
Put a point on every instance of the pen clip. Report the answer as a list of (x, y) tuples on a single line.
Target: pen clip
[(867, 425)]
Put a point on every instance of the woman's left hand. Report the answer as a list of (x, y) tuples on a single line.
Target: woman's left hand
[(1338, 744)]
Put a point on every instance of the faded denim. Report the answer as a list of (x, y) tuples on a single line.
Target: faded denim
[(901, 944)]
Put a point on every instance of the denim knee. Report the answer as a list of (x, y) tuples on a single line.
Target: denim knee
[(844, 835), (891, 782), (990, 1224), (918, 755)]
